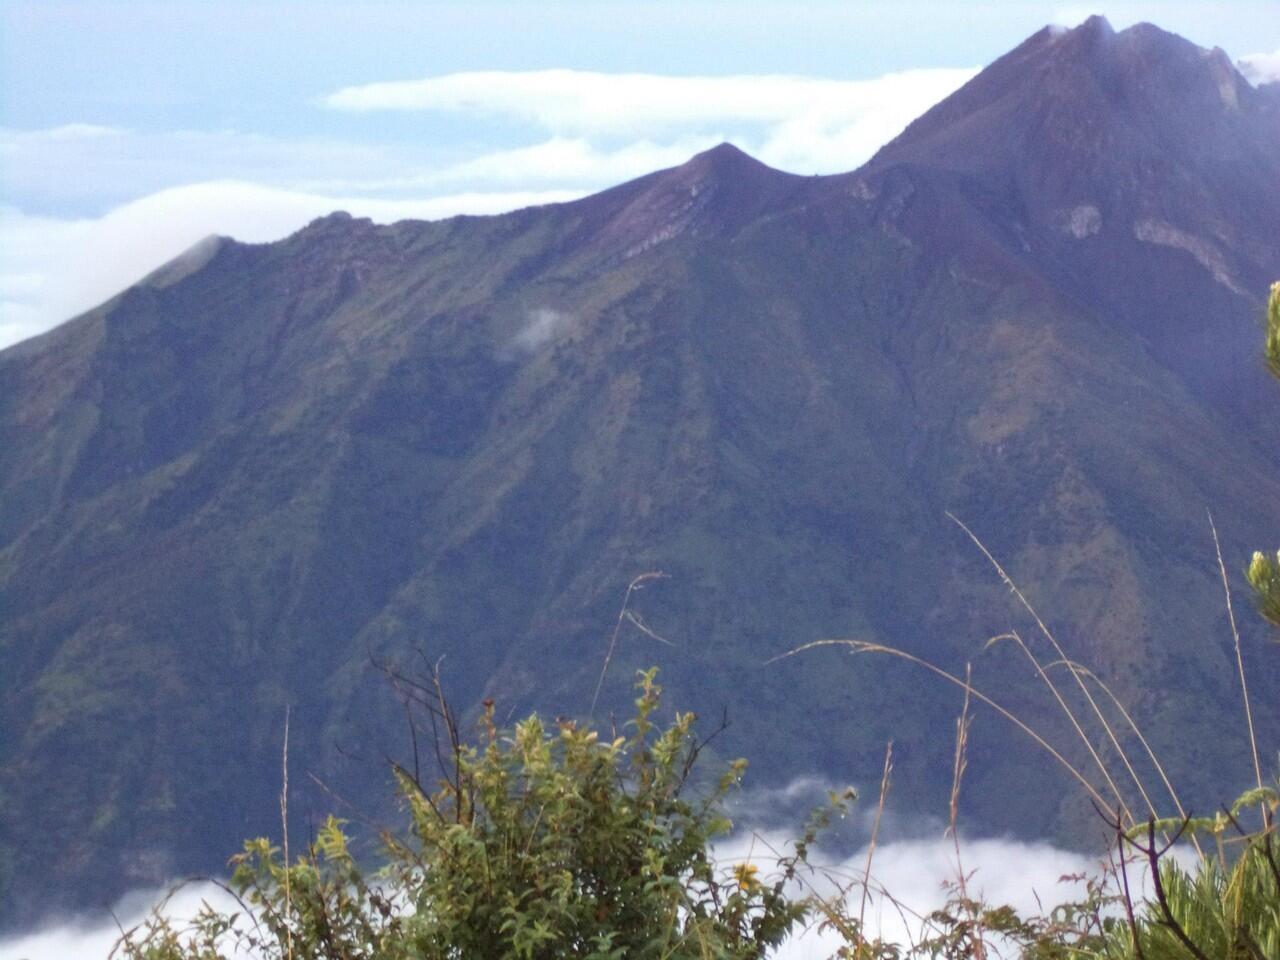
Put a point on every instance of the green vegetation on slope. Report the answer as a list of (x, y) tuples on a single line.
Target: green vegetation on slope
[(551, 843)]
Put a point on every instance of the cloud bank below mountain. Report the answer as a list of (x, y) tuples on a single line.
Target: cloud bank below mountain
[(915, 872)]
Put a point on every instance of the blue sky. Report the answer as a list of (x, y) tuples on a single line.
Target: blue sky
[(130, 130)]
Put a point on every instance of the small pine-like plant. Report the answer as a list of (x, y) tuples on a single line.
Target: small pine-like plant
[(1264, 572), (1226, 907), (1264, 577)]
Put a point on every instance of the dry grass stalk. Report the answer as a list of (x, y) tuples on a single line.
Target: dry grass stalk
[(875, 830), (867, 646), (284, 825), (1137, 731), (1048, 635), (1075, 724), (624, 616), (830, 907), (959, 763), (1244, 686)]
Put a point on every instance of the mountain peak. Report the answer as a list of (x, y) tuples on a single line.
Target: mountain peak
[(714, 192), (1094, 26), (1103, 138), (337, 222), (727, 170), (1082, 100), (724, 158)]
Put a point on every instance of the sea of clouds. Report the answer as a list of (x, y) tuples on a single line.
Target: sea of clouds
[(917, 873)]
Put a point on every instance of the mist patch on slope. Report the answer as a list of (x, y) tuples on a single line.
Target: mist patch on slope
[(541, 326)]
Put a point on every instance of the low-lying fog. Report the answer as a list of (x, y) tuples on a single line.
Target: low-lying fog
[(915, 862), (1027, 876)]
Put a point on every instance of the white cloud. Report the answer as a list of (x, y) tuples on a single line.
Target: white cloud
[(92, 939), (1260, 68), (603, 128), (914, 872), (630, 104), (801, 124), (52, 269), (1031, 877), (540, 327), (560, 159), (82, 131), (1071, 16), (912, 878), (915, 875), (91, 168)]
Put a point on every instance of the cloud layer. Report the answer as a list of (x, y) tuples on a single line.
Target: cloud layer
[(915, 873), (92, 938), (633, 104), (801, 124), (1260, 68)]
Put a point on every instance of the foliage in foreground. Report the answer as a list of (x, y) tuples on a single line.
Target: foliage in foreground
[(1264, 571), (555, 843), (545, 843)]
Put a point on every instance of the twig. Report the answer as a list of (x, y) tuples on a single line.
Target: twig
[(1162, 899), (1128, 897), (697, 746)]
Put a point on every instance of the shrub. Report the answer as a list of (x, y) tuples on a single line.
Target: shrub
[(547, 842)]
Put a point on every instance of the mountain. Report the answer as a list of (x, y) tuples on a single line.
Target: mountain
[(231, 488)]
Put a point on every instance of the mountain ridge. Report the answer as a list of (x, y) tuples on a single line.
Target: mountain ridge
[(465, 437)]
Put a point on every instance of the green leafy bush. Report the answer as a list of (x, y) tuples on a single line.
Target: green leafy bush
[(539, 844)]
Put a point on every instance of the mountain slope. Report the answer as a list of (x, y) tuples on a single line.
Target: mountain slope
[(229, 488)]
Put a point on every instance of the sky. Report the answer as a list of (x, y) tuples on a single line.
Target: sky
[(131, 130)]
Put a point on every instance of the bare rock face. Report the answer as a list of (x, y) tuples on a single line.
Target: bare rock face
[(227, 489)]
